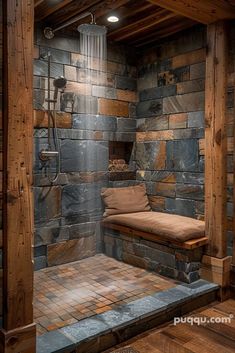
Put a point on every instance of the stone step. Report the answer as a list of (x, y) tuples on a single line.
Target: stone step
[(102, 331)]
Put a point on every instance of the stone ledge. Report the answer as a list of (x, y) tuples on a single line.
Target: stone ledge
[(167, 259), (114, 326)]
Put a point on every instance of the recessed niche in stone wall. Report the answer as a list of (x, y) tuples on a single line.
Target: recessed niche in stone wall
[(120, 166)]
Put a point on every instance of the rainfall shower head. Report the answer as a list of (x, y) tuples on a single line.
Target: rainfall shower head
[(92, 29), (59, 83)]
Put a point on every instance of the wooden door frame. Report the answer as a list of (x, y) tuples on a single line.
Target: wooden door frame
[(19, 331)]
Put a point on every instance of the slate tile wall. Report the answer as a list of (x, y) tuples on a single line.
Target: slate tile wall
[(89, 115), (169, 151), (155, 99), (169, 261)]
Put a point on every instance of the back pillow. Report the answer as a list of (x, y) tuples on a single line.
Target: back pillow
[(125, 200)]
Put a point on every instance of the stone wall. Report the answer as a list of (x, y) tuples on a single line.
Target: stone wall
[(67, 214), (168, 101), (170, 124), (167, 260)]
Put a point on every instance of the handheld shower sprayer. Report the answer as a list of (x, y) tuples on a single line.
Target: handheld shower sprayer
[(59, 83), (53, 150)]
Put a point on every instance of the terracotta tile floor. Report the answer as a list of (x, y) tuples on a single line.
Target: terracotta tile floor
[(68, 293)]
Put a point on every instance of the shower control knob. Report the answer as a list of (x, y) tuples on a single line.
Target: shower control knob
[(45, 155), (48, 33)]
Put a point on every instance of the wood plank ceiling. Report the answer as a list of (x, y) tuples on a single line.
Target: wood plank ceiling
[(142, 22)]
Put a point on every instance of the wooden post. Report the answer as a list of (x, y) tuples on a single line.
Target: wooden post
[(216, 266), (233, 254), (18, 334), (215, 139)]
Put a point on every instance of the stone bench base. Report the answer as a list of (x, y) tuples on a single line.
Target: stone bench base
[(167, 260)]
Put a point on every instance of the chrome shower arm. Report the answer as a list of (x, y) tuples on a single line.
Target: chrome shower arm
[(50, 32), (75, 19)]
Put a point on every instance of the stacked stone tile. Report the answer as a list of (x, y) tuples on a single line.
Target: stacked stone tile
[(67, 214), (171, 123), (170, 261), (169, 149)]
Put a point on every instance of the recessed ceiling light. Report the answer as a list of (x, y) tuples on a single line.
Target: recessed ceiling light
[(113, 19)]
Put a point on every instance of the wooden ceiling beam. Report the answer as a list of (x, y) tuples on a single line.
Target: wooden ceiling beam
[(137, 9), (166, 31), (37, 3), (99, 8), (71, 11), (126, 13), (108, 6), (44, 10), (206, 11), (141, 25)]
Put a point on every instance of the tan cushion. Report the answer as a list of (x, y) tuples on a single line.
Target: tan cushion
[(125, 200), (168, 226)]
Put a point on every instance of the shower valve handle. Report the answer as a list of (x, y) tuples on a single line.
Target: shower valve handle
[(45, 155)]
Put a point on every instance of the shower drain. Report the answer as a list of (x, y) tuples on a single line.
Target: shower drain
[(126, 350)]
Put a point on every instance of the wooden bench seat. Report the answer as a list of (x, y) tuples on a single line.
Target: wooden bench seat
[(189, 244), (169, 244), (175, 252)]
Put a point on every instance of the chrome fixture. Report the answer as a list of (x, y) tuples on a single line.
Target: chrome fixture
[(92, 29), (59, 83), (52, 150), (49, 32), (45, 155)]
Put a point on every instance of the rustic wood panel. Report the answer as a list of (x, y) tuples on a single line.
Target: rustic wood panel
[(186, 338), (37, 2), (233, 255), (215, 139), (143, 24), (20, 340), (132, 9), (217, 271), (139, 19), (98, 7), (206, 11), (166, 29), (43, 9), (17, 185), (230, 146)]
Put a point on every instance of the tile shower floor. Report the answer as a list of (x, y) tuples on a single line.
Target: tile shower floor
[(66, 294)]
